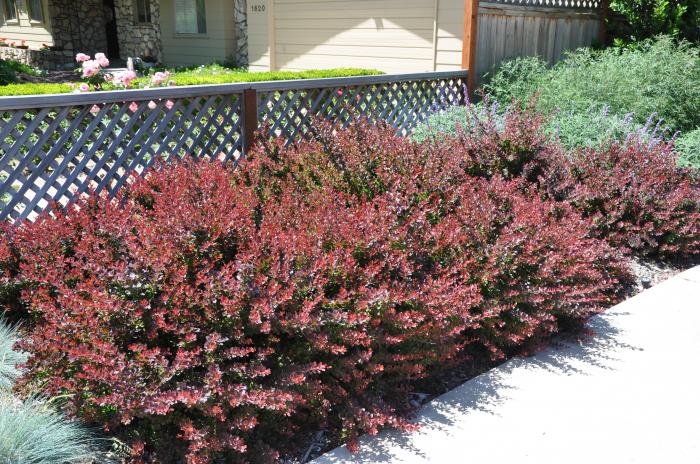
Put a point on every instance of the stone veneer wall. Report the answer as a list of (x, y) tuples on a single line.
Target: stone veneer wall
[(241, 18), (42, 59), (78, 25), (137, 39)]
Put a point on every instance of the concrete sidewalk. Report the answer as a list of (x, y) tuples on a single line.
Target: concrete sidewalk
[(629, 394)]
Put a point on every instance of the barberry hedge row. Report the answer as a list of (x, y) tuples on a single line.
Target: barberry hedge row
[(211, 315)]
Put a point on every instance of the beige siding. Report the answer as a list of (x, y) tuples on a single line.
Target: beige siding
[(218, 44), (259, 34), (449, 36), (389, 35), (36, 34)]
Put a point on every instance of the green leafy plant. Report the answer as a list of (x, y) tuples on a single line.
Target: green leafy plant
[(656, 77), (213, 74), (688, 145), (456, 119), (647, 18)]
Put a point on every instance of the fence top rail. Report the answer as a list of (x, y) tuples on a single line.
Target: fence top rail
[(116, 96), (355, 81), (595, 5)]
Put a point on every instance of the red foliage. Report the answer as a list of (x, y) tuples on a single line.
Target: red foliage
[(513, 146), (232, 310), (174, 315), (635, 196)]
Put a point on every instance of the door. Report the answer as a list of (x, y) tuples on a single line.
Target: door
[(111, 29)]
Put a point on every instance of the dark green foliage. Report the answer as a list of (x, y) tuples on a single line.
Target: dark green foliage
[(648, 18)]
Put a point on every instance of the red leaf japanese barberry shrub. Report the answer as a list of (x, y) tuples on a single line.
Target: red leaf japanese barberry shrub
[(635, 195), (174, 320), (210, 315)]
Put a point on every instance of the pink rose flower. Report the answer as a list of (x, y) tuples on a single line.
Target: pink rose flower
[(90, 68), (159, 77), (134, 107), (95, 109), (169, 104), (101, 58), (152, 105), (82, 57), (125, 78), (84, 87)]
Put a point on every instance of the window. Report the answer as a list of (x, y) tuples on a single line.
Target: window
[(190, 17), (143, 11), (36, 10), (9, 10)]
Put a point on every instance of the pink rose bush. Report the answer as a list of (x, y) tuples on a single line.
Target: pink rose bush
[(159, 78), (93, 71)]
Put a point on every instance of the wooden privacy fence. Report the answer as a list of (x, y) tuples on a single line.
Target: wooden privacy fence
[(546, 28), (58, 147)]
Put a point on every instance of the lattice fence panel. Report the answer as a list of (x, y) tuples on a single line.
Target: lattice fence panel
[(565, 4), (58, 148), (58, 153), (290, 113)]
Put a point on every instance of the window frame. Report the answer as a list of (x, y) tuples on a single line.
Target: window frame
[(5, 9), (147, 12), (201, 20), (30, 12)]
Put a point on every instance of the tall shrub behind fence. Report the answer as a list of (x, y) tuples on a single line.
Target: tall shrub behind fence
[(58, 147)]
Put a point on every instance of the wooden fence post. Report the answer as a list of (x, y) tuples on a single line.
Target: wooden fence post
[(471, 22), (250, 118)]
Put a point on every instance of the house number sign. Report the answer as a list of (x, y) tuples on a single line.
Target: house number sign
[(258, 7)]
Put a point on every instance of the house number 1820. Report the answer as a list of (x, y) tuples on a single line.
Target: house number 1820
[(259, 8)]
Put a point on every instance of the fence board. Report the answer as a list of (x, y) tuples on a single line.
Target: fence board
[(545, 28)]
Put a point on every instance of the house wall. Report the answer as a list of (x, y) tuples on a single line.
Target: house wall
[(390, 35), (78, 25), (69, 26), (35, 33), (218, 44), (138, 39), (398, 36)]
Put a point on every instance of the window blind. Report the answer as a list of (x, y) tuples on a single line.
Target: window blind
[(190, 17)]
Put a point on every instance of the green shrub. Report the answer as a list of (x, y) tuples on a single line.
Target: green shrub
[(7, 73), (10, 68), (688, 145), (12, 90), (214, 74), (593, 128), (647, 18), (588, 129), (655, 77), (221, 75), (453, 120)]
